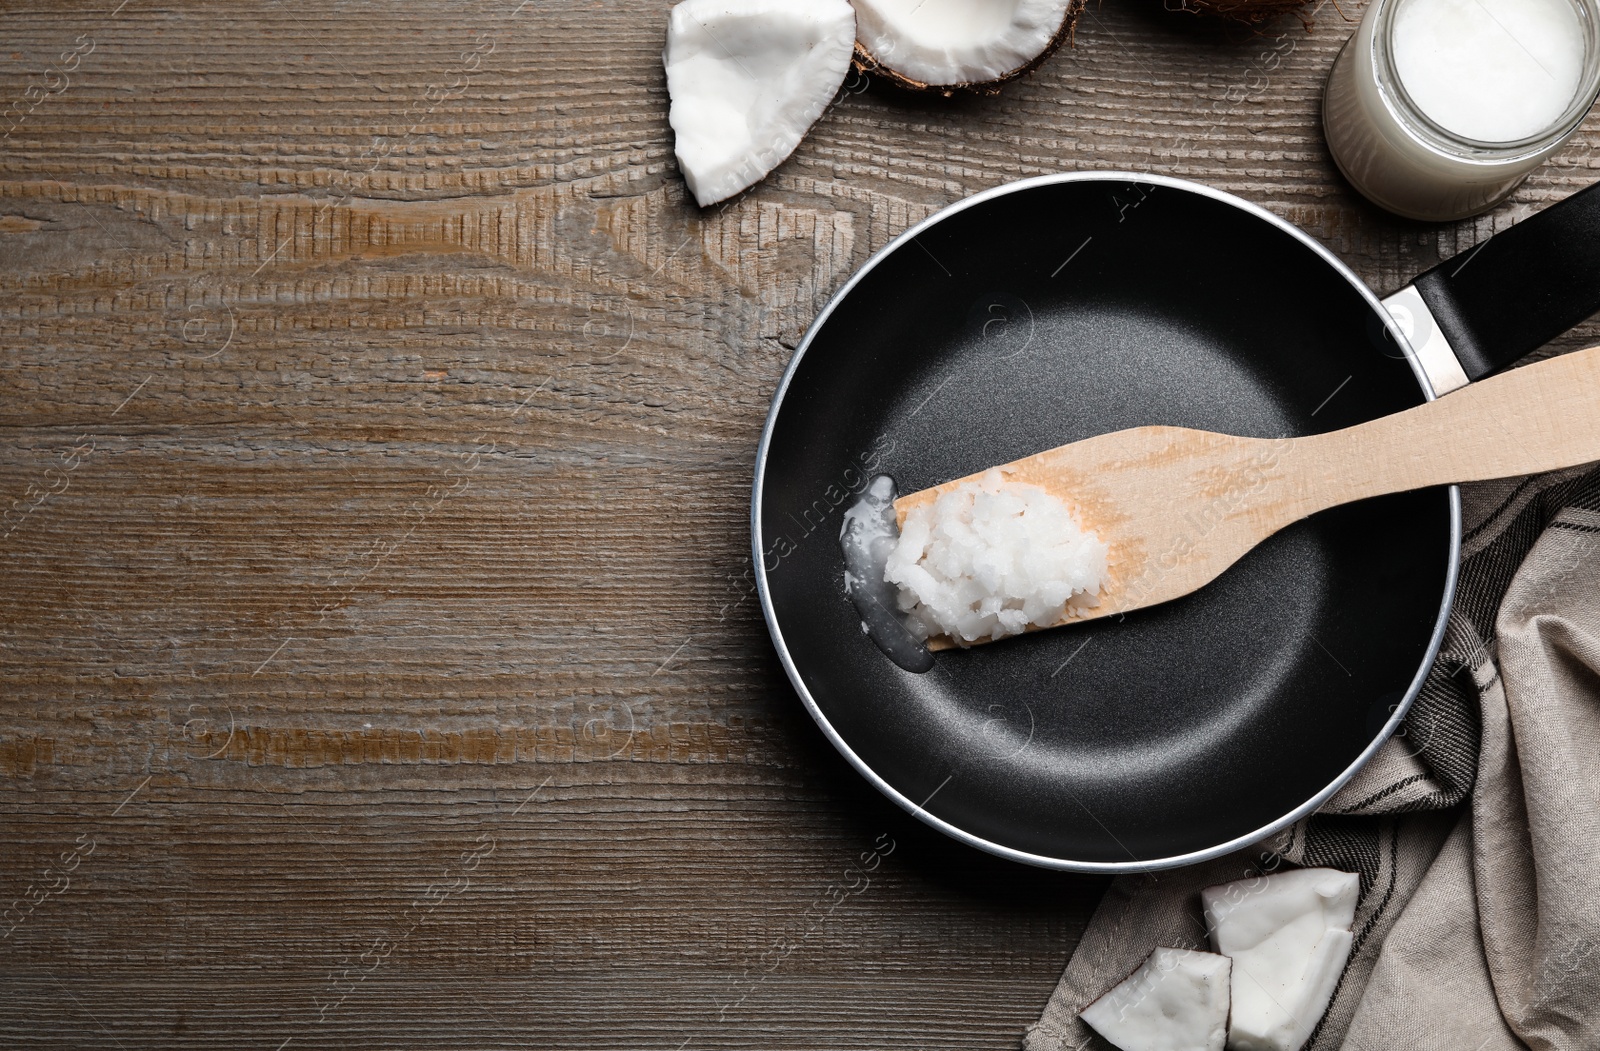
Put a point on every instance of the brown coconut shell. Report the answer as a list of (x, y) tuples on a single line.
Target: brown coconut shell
[(1249, 12), (868, 64)]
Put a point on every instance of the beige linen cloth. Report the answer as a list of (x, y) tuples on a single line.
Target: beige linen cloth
[(1476, 832)]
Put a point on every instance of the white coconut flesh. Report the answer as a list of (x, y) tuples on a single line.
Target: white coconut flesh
[(958, 42), (1176, 1001), (1289, 937), (747, 78)]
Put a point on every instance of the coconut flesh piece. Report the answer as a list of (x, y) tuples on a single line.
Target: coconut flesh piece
[(747, 78), (960, 43), (1289, 937), (1176, 1001)]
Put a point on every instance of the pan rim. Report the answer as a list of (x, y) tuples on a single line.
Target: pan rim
[(918, 810)]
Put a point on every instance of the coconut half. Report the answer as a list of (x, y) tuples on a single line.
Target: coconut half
[(1176, 1001), (747, 78), (1289, 937), (946, 45)]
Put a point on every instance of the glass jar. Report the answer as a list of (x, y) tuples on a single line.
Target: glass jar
[(1402, 159)]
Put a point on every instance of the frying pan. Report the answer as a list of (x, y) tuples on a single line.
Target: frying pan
[(1047, 311)]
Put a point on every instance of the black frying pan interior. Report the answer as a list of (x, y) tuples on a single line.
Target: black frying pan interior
[(1182, 727)]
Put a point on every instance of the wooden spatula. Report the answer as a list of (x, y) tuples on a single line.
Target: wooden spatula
[(1179, 506)]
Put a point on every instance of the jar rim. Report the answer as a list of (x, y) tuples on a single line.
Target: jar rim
[(1432, 133)]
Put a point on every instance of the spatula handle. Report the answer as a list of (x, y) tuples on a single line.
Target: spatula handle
[(1541, 417)]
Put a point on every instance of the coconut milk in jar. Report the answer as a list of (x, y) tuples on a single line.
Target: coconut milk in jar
[(1438, 109)]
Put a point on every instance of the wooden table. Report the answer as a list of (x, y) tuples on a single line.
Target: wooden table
[(380, 663)]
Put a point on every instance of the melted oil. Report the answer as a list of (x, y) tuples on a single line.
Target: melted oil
[(866, 539)]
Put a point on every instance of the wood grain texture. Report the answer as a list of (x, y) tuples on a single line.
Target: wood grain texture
[(380, 661)]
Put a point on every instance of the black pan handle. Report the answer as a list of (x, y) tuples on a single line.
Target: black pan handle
[(1521, 288)]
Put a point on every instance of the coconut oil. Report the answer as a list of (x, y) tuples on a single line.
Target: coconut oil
[(1438, 109), (867, 537)]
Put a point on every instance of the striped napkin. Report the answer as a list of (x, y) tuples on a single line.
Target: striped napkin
[(1476, 832)]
